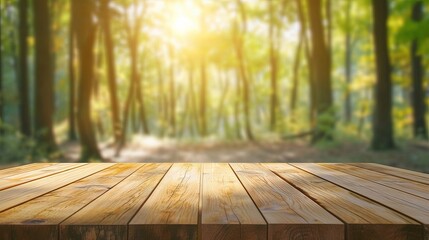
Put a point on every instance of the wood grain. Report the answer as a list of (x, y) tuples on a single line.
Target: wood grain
[(289, 213), (17, 179), (408, 186), (213, 201), (398, 172), (171, 212), (410, 205), (107, 217), (227, 210), (39, 218), (7, 172), (19, 194), (365, 219)]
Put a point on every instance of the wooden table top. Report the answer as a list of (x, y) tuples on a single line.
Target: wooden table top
[(213, 201)]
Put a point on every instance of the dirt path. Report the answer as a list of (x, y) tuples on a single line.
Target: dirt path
[(411, 155)]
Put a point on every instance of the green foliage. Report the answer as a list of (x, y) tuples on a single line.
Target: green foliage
[(16, 148)]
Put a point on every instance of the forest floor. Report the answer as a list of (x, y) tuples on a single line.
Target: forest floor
[(412, 155)]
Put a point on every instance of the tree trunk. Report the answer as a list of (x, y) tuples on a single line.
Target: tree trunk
[(163, 101), (382, 120), (273, 67), (203, 98), (237, 122), (321, 74), (142, 107), (238, 35), (111, 70), (127, 108), (328, 11), (24, 108), (72, 81), (1, 83), (14, 54), (348, 65), (172, 91), (419, 106), (221, 107), (85, 35), (295, 78), (307, 51), (193, 101), (44, 85)]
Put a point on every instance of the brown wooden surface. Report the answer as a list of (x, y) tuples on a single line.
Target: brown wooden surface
[(286, 209), (405, 185), (54, 207), (213, 201), (407, 204), (20, 178), (22, 169), (398, 172), (101, 216), (362, 216), (171, 212), (227, 211)]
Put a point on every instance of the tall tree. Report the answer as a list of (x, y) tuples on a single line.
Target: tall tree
[(312, 88), (203, 98), (1, 79), (273, 65), (321, 74), (203, 80), (418, 98), (295, 77), (72, 81), (134, 91), (85, 36), (44, 85), (238, 39), (24, 108), (111, 69), (348, 63), (382, 119), (172, 92)]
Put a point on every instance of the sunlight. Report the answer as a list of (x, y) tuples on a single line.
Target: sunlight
[(184, 18), (182, 25)]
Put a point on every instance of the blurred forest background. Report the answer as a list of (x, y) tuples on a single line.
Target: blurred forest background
[(215, 80)]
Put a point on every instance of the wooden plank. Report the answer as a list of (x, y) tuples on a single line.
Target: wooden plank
[(39, 218), (407, 204), (17, 195), (108, 216), (411, 187), (227, 210), (17, 179), (7, 172), (289, 213), (171, 212), (398, 172), (365, 219)]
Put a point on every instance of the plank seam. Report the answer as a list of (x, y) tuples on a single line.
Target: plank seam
[(200, 204), (259, 210), (56, 188), (59, 230), (37, 178), (148, 196), (346, 225), (374, 181), (423, 225), (100, 194), (398, 176), (30, 164)]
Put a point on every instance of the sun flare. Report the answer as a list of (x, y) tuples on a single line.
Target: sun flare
[(183, 24)]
